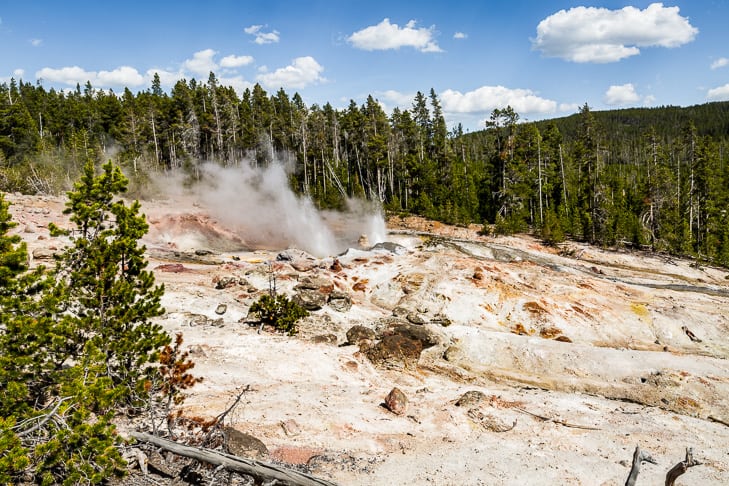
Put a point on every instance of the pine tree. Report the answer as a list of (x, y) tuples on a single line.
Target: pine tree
[(111, 296)]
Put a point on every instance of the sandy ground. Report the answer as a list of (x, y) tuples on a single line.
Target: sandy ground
[(579, 355)]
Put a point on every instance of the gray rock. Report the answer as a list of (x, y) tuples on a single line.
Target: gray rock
[(340, 301), (360, 333), (310, 300), (220, 310)]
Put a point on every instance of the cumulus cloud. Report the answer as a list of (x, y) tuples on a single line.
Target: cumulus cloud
[(460, 35), (70, 75), (385, 35), (261, 37), (302, 72), (121, 76), (486, 98), (166, 78), (720, 63), (720, 93), (600, 35), (621, 95), (18, 73), (201, 63), (233, 61), (73, 75)]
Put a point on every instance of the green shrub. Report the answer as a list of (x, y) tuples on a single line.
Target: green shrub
[(280, 312)]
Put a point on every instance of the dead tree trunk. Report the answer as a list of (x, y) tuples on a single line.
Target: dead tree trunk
[(260, 471), (639, 457), (681, 467)]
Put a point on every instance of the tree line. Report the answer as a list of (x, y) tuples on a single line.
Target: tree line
[(653, 178)]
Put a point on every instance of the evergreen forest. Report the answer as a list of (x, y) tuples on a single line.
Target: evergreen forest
[(653, 178)]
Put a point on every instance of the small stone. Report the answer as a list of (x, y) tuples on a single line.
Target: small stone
[(396, 401), (220, 310)]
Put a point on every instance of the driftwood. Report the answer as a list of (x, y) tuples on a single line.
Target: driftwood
[(639, 457), (260, 471), (681, 467)]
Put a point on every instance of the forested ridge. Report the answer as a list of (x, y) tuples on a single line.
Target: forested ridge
[(649, 177)]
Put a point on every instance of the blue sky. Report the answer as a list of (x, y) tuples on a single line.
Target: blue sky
[(544, 58)]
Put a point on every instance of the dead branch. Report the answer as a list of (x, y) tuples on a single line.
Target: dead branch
[(639, 457), (260, 471), (221, 417), (681, 467), (556, 421), (44, 420)]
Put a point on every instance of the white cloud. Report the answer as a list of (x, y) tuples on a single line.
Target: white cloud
[(202, 62), (233, 61), (121, 76), (166, 78), (18, 73), (238, 83), (302, 72), (396, 98), (385, 36), (720, 93), (569, 107), (262, 37), (486, 98), (720, 63), (621, 95), (70, 75), (460, 35), (600, 35), (36, 42)]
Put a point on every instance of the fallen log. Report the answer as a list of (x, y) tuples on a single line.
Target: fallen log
[(260, 471)]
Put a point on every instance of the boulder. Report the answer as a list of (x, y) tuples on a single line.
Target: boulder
[(396, 401), (310, 300), (360, 333), (340, 301), (395, 351), (418, 333), (43, 254)]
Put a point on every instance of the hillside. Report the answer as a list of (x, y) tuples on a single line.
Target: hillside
[(538, 364)]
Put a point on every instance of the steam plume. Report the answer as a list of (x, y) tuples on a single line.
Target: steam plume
[(258, 205)]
